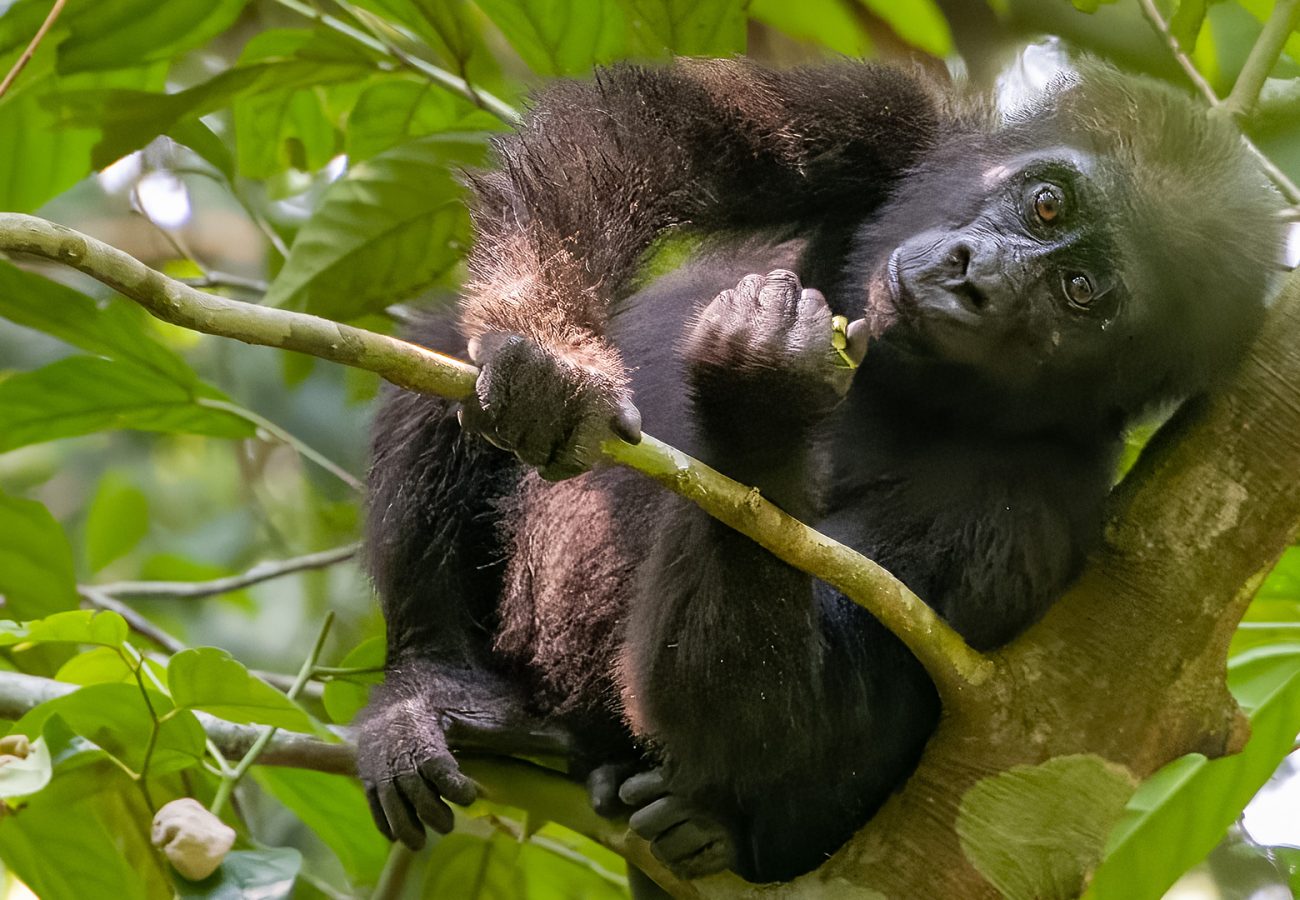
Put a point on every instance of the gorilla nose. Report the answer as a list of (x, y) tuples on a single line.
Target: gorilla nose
[(960, 280)]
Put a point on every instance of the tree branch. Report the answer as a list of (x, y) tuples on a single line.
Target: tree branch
[(263, 571), (953, 665), (27, 54)]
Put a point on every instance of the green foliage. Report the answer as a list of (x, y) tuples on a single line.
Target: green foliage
[(343, 138)]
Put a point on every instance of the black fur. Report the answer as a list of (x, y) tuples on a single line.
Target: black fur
[(971, 455)]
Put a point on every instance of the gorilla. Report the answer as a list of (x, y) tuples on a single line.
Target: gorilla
[(1028, 284)]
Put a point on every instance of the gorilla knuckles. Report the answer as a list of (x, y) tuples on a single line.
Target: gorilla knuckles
[(1031, 284)]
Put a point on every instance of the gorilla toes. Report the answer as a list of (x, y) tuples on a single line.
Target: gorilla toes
[(603, 784), (682, 836), (409, 774), (770, 327), (550, 412)]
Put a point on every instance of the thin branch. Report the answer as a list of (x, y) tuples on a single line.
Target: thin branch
[(454, 83), (1285, 185), (263, 571), (304, 449), (97, 598), (1263, 57), (952, 664), (26, 57)]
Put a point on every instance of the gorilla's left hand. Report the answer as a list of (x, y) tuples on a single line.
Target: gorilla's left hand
[(682, 836)]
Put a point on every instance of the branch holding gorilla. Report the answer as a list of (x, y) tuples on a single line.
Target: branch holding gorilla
[(1030, 283)]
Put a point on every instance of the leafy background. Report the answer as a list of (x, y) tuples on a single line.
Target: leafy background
[(304, 155)]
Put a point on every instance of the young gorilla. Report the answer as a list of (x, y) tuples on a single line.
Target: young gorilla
[(1029, 285)]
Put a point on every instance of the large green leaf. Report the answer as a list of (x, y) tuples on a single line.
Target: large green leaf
[(116, 328), (115, 718), (561, 37), (387, 229), (345, 696), (335, 808), (394, 110), (834, 24), (212, 680), (264, 874), (116, 520), (110, 35), (689, 27), (76, 626), (919, 22), (85, 394), (36, 574), (1177, 816)]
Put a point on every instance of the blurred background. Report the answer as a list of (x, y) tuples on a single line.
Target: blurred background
[(282, 103)]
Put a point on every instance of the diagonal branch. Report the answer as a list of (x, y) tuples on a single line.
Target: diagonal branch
[(953, 665)]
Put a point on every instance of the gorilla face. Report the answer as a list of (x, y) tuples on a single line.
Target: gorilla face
[(1009, 278)]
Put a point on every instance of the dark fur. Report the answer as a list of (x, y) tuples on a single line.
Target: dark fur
[(781, 709)]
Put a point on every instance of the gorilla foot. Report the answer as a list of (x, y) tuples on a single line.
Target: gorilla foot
[(682, 836)]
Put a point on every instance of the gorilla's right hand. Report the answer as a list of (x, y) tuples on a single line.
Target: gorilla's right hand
[(406, 769), (550, 411)]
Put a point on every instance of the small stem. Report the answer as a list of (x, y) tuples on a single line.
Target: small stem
[(26, 57), (262, 572), (1263, 57), (498, 107), (396, 868), (1268, 626), (1285, 185), (303, 448), (228, 783), (136, 622), (344, 671)]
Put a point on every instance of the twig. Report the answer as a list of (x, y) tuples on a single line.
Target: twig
[(26, 57), (952, 664), (1285, 185), (302, 447), (263, 571), (392, 879), (230, 779), (1263, 57), (98, 598), (498, 107)]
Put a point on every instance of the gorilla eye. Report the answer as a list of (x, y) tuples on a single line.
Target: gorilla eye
[(1048, 202), (1079, 290)]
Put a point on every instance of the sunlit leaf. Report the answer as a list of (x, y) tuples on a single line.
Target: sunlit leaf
[(561, 37), (82, 395), (393, 111), (77, 626), (345, 696), (36, 573), (102, 665), (212, 680), (689, 27), (384, 231), (129, 32), (116, 718), (919, 23), (335, 808), (831, 23)]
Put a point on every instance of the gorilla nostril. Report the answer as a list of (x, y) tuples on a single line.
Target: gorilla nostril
[(971, 296), (959, 259)]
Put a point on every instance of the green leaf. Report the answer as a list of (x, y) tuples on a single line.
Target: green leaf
[(130, 32), (561, 37), (116, 521), (1036, 831), (116, 328), (689, 27), (20, 777), (919, 23), (77, 626), (834, 24), (452, 31), (264, 874), (1179, 814), (345, 696), (282, 130), (115, 718), (36, 573), (1185, 24), (387, 229), (335, 808), (83, 395), (393, 111), (90, 860), (102, 665), (212, 680)]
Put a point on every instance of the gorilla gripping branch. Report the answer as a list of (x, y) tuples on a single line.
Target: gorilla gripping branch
[(953, 665)]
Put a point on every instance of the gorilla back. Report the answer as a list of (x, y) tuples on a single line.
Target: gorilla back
[(1029, 286)]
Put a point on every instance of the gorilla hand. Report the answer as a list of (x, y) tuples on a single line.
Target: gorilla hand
[(682, 836), (552, 412)]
